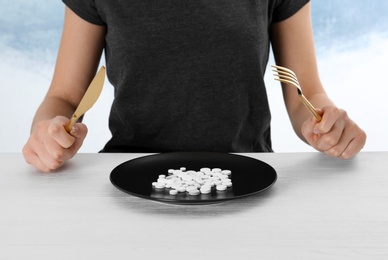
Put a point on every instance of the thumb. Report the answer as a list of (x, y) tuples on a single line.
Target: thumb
[(79, 131)]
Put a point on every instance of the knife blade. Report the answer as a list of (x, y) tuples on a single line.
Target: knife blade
[(90, 97)]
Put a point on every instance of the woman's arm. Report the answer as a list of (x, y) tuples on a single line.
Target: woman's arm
[(293, 45), (78, 58), (49, 145)]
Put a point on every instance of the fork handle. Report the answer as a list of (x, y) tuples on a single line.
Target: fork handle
[(311, 108)]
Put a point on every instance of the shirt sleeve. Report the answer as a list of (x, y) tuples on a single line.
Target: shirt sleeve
[(287, 8), (86, 9)]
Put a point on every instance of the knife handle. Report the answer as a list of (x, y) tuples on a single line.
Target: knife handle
[(73, 120)]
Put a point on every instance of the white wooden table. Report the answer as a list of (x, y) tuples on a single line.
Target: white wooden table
[(319, 208)]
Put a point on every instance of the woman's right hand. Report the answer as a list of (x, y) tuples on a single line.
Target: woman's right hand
[(50, 146)]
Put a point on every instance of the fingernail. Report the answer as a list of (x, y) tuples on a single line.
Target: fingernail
[(74, 129), (316, 131)]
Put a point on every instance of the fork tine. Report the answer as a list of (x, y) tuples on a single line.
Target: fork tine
[(291, 83), (288, 78), (284, 70), (289, 73), (286, 74)]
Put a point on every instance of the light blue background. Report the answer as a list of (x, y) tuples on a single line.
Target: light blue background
[(351, 42)]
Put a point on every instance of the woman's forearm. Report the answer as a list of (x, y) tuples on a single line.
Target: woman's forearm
[(50, 108)]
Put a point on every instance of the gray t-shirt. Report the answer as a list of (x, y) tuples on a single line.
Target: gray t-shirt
[(188, 74)]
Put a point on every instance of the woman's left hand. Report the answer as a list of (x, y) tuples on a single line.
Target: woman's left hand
[(336, 134)]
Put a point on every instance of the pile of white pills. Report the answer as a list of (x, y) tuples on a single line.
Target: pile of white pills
[(194, 182)]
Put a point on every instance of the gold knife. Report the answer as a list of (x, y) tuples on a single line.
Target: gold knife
[(90, 97)]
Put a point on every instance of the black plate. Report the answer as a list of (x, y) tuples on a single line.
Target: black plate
[(249, 176)]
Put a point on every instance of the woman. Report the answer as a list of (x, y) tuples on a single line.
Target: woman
[(188, 75)]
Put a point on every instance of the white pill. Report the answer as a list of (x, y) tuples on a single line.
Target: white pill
[(181, 189), (160, 185), (205, 189), (173, 192), (217, 182), (190, 188), (193, 181), (217, 174), (194, 192), (187, 178), (227, 184), (177, 183), (161, 180), (200, 181), (227, 172), (221, 187), (206, 186), (177, 172)]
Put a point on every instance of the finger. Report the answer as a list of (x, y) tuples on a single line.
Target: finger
[(338, 149), (332, 139), (330, 116), (57, 131), (354, 147), (308, 132), (352, 141), (35, 154), (79, 131), (32, 158), (50, 153), (43, 166), (53, 154)]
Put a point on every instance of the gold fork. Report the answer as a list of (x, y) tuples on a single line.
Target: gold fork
[(289, 77)]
